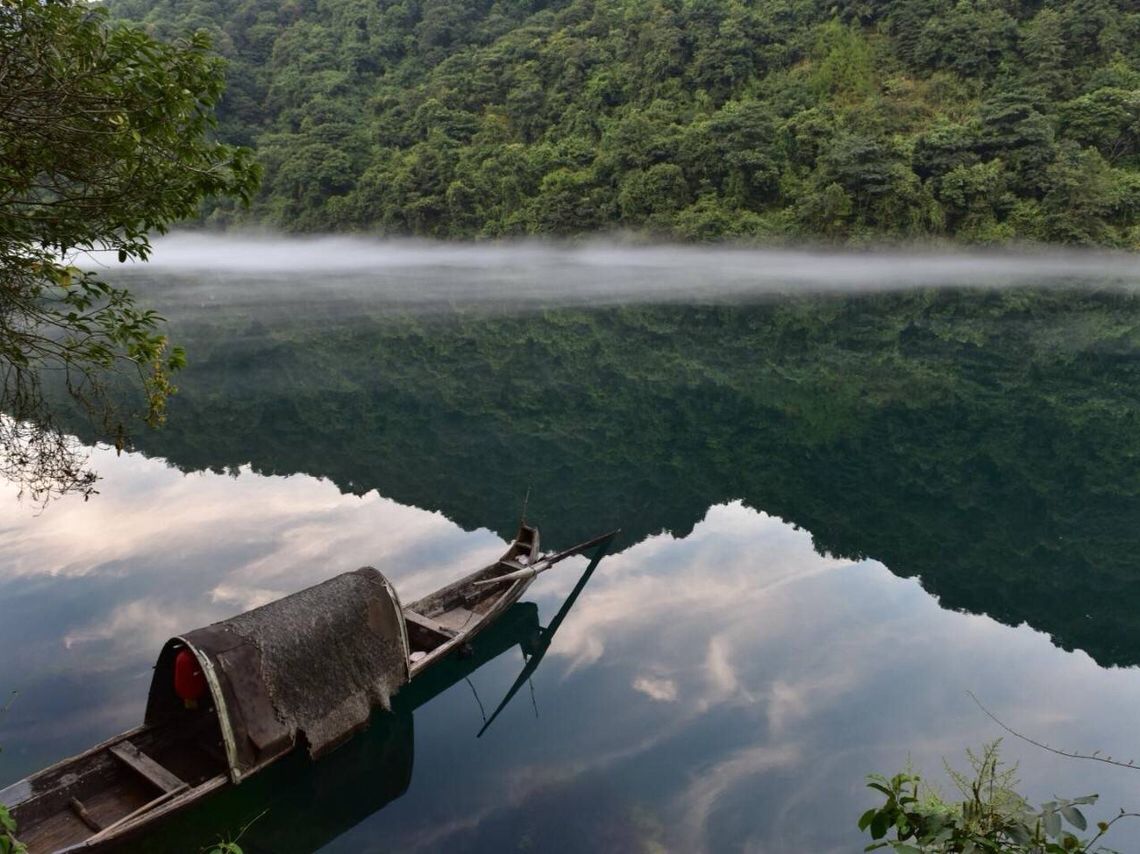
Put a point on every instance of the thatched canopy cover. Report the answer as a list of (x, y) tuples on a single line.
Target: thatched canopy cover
[(311, 666)]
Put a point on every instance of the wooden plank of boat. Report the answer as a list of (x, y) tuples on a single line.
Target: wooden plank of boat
[(112, 794), (141, 819), (434, 627), (462, 609), (468, 605), (146, 767)]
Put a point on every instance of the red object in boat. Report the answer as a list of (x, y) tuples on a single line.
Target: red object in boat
[(189, 681)]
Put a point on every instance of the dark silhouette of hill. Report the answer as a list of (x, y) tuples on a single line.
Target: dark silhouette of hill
[(987, 442)]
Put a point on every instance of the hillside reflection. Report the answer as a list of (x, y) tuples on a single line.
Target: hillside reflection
[(986, 442)]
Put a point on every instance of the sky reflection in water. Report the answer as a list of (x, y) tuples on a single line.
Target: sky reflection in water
[(723, 691)]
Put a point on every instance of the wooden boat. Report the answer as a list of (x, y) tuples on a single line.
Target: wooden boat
[(308, 669), (301, 805)]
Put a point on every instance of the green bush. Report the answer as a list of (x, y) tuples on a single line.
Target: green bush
[(991, 816)]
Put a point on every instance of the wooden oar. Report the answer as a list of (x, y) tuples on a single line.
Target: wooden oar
[(543, 564), (548, 633)]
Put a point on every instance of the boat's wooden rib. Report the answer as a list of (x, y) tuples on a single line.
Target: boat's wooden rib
[(118, 787), (436, 631), (146, 767)]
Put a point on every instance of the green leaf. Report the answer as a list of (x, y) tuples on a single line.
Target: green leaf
[(865, 818), (1074, 817), (879, 825), (1019, 833), (943, 835)]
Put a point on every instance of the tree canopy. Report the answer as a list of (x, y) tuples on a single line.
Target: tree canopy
[(104, 139), (979, 120)]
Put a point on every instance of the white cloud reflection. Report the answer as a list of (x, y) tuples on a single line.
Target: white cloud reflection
[(803, 673), (143, 621), (211, 545), (656, 688), (737, 675), (701, 798)]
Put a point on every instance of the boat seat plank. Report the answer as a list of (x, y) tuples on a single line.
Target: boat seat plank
[(146, 767), (457, 619), (428, 623)]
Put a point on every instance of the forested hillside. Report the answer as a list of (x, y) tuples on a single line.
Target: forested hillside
[(984, 120)]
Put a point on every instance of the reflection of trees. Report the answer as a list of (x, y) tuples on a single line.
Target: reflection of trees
[(986, 442)]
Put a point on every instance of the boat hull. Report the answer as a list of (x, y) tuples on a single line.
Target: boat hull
[(119, 788)]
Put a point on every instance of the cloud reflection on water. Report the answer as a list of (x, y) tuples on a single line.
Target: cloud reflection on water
[(793, 676), (726, 690)]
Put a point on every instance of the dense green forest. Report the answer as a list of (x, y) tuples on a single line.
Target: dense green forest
[(981, 120), (986, 442)]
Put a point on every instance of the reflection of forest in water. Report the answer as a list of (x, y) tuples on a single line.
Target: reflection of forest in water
[(985, 441)]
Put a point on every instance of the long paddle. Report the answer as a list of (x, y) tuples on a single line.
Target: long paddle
[(545, 563), (543, 644)]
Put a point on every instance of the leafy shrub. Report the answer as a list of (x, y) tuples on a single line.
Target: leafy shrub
[(991, 816)]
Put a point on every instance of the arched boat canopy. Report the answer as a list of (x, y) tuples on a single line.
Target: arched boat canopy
[(311, 666)]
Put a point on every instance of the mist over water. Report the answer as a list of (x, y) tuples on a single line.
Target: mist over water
[(422, 273), (792, 467)]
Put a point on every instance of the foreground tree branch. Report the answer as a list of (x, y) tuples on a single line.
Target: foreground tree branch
[(105, 139), (1069, 754)]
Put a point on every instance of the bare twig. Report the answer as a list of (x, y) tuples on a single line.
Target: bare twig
[(1069, 754), (1104, 827)]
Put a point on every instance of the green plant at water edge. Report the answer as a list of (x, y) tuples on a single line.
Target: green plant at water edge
[(7, 830), (8, 824), (224, 846), (992, 816)]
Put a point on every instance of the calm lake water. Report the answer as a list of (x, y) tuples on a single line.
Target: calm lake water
[(843, 509)]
